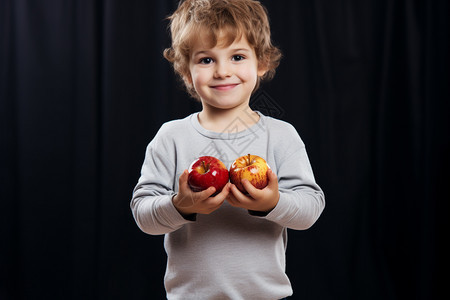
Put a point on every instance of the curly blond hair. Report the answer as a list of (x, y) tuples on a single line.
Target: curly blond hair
[(213, 18)]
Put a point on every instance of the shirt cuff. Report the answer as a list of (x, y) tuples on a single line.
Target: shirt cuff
[(279, 212), (174, 215)]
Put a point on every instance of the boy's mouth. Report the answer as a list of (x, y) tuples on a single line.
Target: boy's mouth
[(224, 87)]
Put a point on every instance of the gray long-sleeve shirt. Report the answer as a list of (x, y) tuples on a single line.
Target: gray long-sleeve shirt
[(230, 253)]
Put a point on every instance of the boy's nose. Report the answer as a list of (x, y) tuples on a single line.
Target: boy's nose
[(222, 71)]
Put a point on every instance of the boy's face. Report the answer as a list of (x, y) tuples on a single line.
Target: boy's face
[(224, 76)]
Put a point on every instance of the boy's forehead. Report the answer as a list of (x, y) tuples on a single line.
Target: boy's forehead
[(205, 42)]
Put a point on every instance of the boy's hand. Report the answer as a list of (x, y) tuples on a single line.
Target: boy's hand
[(188, 202), (257, 200)]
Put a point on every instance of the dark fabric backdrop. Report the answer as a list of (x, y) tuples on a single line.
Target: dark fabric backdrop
[(84, 88)]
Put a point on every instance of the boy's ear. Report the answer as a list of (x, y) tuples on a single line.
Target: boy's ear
[(187, 78), (262, 69), (261, 72)]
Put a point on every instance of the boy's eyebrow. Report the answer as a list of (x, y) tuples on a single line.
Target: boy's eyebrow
[(231, 50), (241, 49), (200, 52)]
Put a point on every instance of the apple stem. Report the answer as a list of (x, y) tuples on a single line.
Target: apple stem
[(205, 166), (248, 160)]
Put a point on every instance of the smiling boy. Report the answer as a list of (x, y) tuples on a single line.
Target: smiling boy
[(232, 245)]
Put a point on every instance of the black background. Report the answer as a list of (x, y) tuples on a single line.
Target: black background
[(84, 87)]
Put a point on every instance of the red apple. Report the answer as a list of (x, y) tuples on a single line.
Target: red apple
[(207, 171), (251, 167)]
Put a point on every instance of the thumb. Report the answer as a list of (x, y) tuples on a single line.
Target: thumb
[(183, 177), (273, 179)]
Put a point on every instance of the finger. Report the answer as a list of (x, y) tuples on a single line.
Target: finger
[(251, 190), (235, 192), (234, 202), (183, 187), (273, 179), (205, 194), (182, 180), (239, 198), (231, 199), (215, 202), (224, 193)]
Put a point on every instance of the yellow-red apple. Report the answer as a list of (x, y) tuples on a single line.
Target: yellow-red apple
[(250, 167)]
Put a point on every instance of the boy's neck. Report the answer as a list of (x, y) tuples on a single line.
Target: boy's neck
[(228, 120)]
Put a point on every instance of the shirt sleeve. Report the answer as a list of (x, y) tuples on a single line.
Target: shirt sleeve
[(151, 203), (301, 199)]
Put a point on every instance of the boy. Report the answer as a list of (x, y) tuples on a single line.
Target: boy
[(232, 245)]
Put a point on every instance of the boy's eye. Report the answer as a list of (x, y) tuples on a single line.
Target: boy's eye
[(238, 57), (206, 60)]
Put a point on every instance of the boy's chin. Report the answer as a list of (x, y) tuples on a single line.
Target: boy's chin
[(226, 105)]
